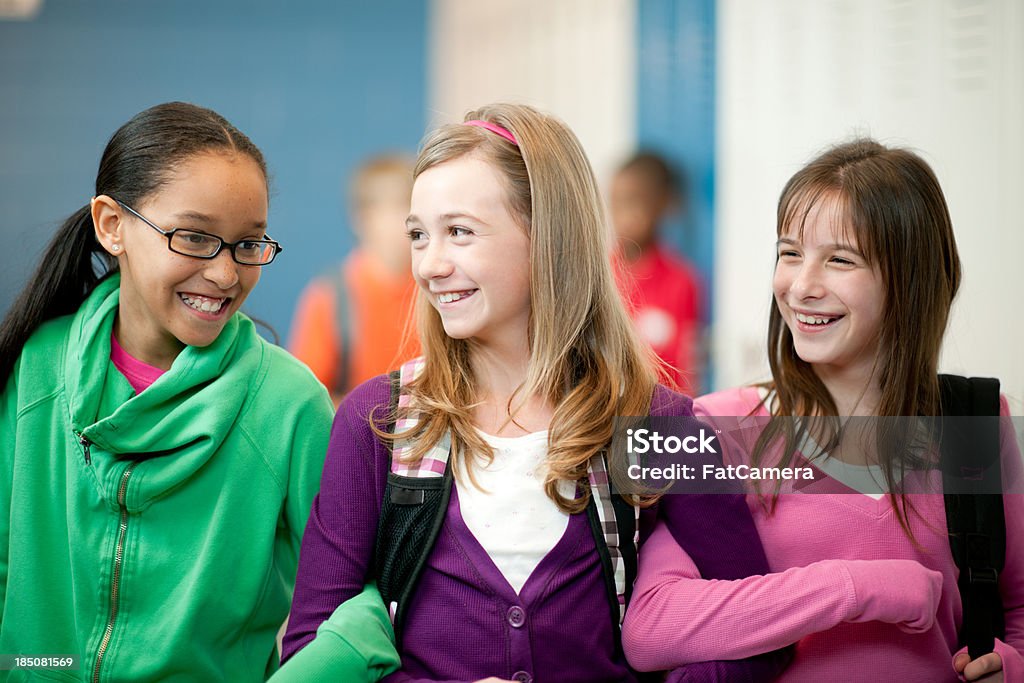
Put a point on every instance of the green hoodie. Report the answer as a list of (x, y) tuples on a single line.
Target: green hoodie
[(156, 535)]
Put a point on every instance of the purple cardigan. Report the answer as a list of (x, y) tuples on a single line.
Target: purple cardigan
[(465, 622)]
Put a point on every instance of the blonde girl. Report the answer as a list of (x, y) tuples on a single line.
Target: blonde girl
[(529, 355)]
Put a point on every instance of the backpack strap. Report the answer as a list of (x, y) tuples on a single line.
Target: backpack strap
[(616, 528), (970, 462), (435, 462), (416, 501), (414, 506), (342, 328)]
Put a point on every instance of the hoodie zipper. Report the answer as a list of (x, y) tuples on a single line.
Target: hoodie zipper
[(85, 443), (115, 581)]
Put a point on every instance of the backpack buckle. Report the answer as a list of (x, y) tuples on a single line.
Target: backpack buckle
[(982, 576)]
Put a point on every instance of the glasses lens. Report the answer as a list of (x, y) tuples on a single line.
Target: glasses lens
[(255, 252), (194, 243)]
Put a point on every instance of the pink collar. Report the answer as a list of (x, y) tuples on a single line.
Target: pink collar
[(140, 375)]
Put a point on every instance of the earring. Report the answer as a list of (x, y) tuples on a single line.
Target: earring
[(115, 247)]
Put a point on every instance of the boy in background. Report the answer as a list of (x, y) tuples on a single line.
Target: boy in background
[(662, 290), (350, 324)]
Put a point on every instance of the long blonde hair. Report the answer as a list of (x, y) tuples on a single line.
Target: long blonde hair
[(585, 358)]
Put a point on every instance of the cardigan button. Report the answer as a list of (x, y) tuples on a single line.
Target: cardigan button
[(516, 617), (522, 677)]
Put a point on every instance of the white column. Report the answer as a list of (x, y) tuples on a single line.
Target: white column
[(945, 77)]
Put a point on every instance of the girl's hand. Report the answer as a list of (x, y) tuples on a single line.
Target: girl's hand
[(900, 592), (987, 668)]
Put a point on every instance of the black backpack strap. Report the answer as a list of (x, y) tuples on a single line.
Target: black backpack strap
[(412, 514), (974, 507), (415, 505), (343, 330)]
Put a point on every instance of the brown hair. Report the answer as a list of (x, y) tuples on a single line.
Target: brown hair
[(891, 201)]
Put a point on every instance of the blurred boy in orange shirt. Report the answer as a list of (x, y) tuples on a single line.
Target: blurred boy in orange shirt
[(351, 324)]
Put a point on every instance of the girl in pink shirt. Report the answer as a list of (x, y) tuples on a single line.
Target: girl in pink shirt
[(863, 581)]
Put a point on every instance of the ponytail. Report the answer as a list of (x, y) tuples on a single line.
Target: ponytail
[(63, 279)]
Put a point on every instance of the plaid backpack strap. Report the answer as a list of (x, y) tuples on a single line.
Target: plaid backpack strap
[(616, 526), (435, 461), (413, 510)]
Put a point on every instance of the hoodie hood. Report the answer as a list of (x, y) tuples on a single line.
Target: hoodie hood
[(181, 418)]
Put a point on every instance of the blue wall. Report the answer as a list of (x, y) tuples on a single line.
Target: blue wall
[(676, 81), (318, 85)]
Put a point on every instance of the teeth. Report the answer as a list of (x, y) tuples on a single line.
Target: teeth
[(202, 303), (813, 319), (449, 297)]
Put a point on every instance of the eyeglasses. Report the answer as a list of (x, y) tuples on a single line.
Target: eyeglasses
[(205, 246)]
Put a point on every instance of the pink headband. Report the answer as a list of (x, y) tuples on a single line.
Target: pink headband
[(494, 128)]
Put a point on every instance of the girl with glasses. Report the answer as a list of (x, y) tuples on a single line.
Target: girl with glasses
[(160, 457)]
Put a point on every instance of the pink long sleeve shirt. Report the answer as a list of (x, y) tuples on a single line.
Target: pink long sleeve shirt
[(862, 601)]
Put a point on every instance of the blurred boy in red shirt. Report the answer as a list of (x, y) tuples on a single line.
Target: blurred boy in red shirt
[(663, 291)]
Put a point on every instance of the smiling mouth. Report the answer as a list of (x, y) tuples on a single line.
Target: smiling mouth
[(204, 304), (816, 320), (452, 297)]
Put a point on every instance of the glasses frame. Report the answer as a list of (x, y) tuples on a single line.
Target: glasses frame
[(169, 234)]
